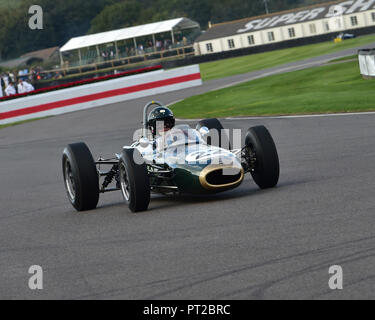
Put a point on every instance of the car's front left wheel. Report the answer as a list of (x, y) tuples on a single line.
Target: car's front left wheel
[(80, 177)]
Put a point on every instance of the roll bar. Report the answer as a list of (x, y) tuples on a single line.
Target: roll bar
[(145, 114)]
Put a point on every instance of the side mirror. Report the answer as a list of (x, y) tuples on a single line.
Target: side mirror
[(204, 131), (144, 142)]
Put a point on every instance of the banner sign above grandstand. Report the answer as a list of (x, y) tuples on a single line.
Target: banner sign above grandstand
[(335, 10)]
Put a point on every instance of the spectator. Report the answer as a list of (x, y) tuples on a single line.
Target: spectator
[(25, 74), (10, 89), (166, 44), (140, 49), (1, 90), (24, 87), (31, 75), (5, 79), (158, 45), (58, 75), (2, 83), (12, 77)]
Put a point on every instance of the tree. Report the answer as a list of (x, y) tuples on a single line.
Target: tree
[(62, 21), (115, 16)]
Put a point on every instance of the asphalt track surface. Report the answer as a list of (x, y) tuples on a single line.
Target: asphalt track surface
[(243, 244)]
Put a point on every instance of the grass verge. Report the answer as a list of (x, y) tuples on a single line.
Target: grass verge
[(2, 126), (255, 62), (328, 89)]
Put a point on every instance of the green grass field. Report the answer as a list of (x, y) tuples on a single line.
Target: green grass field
[(233, 66), (2, 126), (329, 89)]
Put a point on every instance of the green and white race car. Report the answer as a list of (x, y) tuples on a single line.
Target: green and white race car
[(182, 160)]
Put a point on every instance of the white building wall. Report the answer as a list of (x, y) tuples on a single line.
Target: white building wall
[(277, 33), (257, 39), (237, 42), (318, 28), (365, 19), (297, 30), (216, 46), (370, 19), (360, 18)]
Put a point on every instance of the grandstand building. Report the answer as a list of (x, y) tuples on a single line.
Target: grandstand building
[(142, 40), (300, 23)]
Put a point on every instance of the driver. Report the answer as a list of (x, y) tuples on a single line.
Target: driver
[(160, 121)]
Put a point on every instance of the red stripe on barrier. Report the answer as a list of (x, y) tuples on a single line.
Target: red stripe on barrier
[(97, 96)]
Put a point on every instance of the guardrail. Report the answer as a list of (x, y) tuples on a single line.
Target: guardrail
[(99, 94)]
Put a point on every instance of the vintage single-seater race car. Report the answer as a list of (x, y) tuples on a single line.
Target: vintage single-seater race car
[(180, 160)]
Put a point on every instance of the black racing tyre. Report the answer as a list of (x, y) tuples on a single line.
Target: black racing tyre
[(267, 169), (134, 180), (80, 177), (215, 124)]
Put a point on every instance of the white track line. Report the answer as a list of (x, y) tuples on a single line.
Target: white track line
[(371, 113), (276, 72), (307, 116)]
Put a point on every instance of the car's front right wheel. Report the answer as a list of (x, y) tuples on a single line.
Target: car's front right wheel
[(266, 172), (134, 180)]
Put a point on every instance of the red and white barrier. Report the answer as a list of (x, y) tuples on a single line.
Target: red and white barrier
[(99, 94)]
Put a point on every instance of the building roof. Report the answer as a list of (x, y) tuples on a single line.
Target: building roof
[(128, 33), (285, 18), (43, 54), (15, 63)]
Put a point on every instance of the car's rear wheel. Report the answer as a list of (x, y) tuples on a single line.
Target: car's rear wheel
[(267, 167), (222, 138), (80, 177), (134, 180)]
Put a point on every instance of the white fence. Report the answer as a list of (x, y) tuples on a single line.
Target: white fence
[(367, 62), (99, 94)]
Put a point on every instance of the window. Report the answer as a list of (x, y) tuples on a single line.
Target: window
[(209, 47), (326, 26), (373, 16), (312, 28), (292, 33), (338, 23), (354, 20), (251, 40), (271, 36), (231, 44)]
